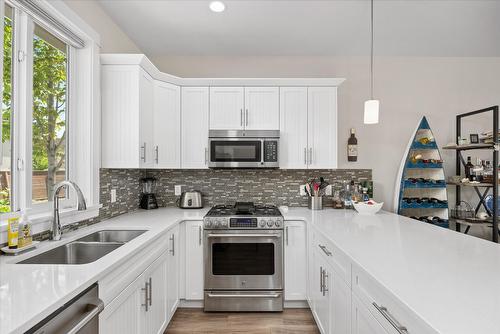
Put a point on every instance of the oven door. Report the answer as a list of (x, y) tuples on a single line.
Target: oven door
[(243, 260), (235, 152)]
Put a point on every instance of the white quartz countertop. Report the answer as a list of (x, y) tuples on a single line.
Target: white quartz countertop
[(29, 292), (449, 279)]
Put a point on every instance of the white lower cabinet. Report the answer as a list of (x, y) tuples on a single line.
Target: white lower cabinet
[(295, 261), (141, 307), (173, 270), (363, 322), (194, 260)]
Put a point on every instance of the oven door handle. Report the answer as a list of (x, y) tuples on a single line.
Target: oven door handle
[(275, 295), (244, 235)]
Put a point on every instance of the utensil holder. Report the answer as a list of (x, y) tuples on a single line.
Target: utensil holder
[(315, 202)]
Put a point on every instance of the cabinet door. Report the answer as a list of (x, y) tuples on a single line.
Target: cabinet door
[(295, 261), (293, 127), (340, 304), (362, 321), (262, 108), (146, 120), (156, 317), (173, 265), (226, 108), (321, 299), (194, 130), (124, 314), (322, 127), (194, 260), (167, 126)]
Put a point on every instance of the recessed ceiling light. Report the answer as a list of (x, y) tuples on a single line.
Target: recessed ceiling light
[(217, 6)]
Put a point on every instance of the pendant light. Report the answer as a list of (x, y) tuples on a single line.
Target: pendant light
[(371, 106)]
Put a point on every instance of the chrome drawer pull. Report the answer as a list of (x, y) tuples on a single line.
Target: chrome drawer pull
[(320, 279), (146, 297), (199, 235), (385, 312), (325, 250)]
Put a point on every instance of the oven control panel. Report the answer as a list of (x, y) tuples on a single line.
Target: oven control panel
[(243, 223)]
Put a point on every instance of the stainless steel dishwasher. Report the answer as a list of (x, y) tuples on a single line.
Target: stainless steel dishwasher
[(79, 315)]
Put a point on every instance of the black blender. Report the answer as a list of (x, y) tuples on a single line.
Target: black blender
[(148, 199)]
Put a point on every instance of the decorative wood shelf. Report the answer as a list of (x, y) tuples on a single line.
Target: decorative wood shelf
[(424, 185), (466, 184), (415, 205), (468, 147)]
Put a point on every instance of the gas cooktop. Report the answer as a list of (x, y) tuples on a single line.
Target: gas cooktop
[(243, 215)]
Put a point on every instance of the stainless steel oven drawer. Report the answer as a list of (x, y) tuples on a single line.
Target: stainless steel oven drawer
[(243, 301)]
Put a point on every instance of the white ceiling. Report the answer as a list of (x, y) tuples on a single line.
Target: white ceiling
[(309, 27)]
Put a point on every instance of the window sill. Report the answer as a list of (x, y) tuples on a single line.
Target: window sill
[(42, 221)]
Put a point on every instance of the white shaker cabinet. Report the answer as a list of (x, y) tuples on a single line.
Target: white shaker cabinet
[(262, 108), (173, 271), (322, 127), (363, 322), (194, 260), (127, 117), (308, 127), (166, 125), (194, 127), (295, 261), (227, 108), (293, 128)]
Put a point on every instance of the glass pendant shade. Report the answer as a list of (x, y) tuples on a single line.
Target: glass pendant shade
[(371, 111)]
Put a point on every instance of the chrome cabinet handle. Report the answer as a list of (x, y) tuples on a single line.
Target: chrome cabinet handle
[(325, 250), (206, 156), (150, 291), (199, 235), (94, 310), (172, 238), (310, 156), (385, 313), (325, 288), (305, 156), (286, 235), (275, 295), (320, 279), (143, 148), (156, 151), (146, 297), (246, 117), (241, 117)]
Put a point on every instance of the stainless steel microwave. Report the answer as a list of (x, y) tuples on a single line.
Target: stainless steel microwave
[(243, 148)]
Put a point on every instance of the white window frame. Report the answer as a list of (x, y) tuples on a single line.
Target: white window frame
[(83, 119)]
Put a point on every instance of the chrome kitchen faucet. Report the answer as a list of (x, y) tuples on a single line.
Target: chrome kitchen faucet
[(56, 232)]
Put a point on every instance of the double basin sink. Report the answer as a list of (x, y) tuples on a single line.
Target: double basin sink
[(87, 249)]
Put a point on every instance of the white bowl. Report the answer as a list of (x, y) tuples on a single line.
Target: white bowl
[(368, 209)]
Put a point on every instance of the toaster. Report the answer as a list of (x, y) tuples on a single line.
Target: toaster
[(190, 200)]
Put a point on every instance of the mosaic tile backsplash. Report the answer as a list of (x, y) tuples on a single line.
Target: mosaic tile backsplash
[(218, 186)]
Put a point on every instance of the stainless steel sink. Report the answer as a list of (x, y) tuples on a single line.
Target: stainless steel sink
[(87, 249), (74, 253), (112, 236)]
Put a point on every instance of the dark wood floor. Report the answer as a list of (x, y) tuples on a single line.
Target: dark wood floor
[(291, 321)]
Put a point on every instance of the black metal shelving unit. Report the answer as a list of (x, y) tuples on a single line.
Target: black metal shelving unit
[(460, 161)]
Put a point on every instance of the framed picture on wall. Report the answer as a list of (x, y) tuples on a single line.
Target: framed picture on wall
[(474, 138)]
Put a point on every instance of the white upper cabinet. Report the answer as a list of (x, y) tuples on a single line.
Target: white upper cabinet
[(238, 108), (293, 128), (322, 127), (227, 108), (194, 127), (262, 108), (166, 125)]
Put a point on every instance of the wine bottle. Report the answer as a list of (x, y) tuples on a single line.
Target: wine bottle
[(352, 147), (468, 168)]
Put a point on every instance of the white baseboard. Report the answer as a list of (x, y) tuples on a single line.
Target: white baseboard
[(296, 304)]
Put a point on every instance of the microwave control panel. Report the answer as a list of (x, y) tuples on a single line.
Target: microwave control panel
[(270, 151)]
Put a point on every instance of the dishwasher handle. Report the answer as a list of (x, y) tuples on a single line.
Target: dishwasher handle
[(93, 311)]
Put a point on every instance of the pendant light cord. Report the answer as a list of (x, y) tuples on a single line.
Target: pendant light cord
[(371, 53)]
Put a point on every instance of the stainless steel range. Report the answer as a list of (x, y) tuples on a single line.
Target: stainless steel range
[(243, 256)]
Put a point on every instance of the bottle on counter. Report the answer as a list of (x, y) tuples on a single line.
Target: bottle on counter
[(352, 147), (13, 232)]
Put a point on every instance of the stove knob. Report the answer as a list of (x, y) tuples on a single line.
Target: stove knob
[(270, 223), (218, 223), (223, 223), (208, 223), (277, 223), (262, 223)]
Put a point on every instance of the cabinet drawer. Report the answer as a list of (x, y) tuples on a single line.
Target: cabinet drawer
[(334, 256), (393, 315)]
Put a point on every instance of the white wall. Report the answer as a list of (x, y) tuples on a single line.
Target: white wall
[(407, 87), (113, 39)]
